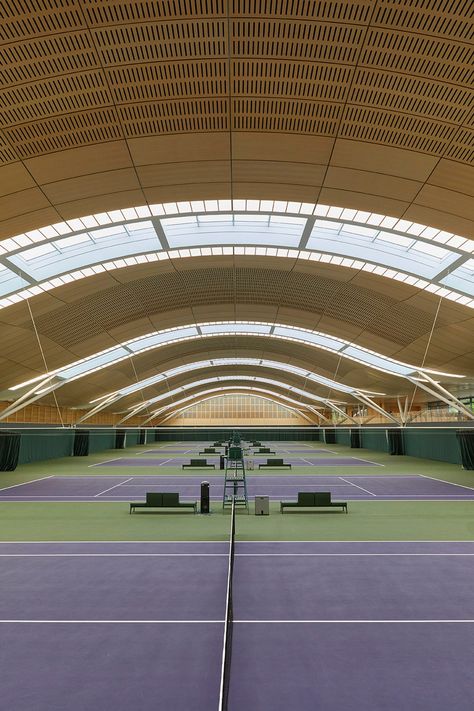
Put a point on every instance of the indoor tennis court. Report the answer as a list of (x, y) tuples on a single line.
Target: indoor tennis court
[(236, 355)]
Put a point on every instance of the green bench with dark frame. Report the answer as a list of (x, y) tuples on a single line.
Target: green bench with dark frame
[(274, 463), (208, 450), (167, 500), (313, 499), (264, 450), (256, 444), (198, 464)]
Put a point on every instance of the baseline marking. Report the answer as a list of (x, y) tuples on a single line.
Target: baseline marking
[(13, 486), (359, 459), (350, 622), (114, 622)]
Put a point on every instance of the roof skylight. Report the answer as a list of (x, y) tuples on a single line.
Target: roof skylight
[(398, 249)]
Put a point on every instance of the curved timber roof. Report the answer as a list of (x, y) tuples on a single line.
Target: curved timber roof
[(291, 163)]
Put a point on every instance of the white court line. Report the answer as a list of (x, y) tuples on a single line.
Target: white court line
[(344, 622), (13, 486), (123, 555), (113, 487), (220, 622), (359, 459), (307, 462), (105, 462), (225, 541), (357, 486), (343, 555), (237, 555), (166, 460), (114, 622), (433, 478)]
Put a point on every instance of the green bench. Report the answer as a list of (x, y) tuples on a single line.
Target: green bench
[(273, 463), (208, 450), (198, 464), (264, 450), (313, 499), (256, 444), (167, 500)]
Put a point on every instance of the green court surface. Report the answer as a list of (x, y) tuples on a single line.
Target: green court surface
[(367, 520)]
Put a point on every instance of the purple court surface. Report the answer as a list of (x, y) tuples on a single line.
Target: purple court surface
[(278, 487), (214, 459), (367, 626)]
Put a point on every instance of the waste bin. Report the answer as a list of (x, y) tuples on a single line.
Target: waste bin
[(205, 499), (262, 506)]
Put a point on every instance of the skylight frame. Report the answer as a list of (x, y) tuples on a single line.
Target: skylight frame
[(422, 277)]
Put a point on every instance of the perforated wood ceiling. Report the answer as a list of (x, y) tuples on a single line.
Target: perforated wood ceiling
[(107, 104)]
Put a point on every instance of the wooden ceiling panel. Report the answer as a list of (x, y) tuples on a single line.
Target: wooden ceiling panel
[(13, 178), (380, 204), (24, 218), (75, 162), (275, 191), (101, 203), (277, 172), (448, 201), (453, 176), (165, 174), (353, 180), (28, 200), (179, 149), (303, 149), (86, 186), (443, 220), (384, 160)]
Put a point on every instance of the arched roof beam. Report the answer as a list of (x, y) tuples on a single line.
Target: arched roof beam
[(282, 399), (302, 373), (180, 410)]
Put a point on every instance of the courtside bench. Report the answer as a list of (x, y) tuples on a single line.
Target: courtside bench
[(313, 499), (209, 450), (264, 450), (198, 464), (167, 500), (274, 463)]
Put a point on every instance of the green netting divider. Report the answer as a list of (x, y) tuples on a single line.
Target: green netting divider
[(38, 444), (100, 440), (375, 439), (438, 443), (343, 436), (131, 440)]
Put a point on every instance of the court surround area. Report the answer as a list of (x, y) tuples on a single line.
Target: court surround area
[(329, 610)]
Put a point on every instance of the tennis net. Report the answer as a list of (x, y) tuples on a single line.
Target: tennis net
[(229, 619)]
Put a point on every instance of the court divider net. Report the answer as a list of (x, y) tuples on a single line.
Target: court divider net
[(229, 619)]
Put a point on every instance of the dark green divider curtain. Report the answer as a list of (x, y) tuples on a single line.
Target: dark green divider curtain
[(81, 443), (120, 439), (466, 445), (142, 437), (395, 442), (355, 439), (9, 450), (330, 436)]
